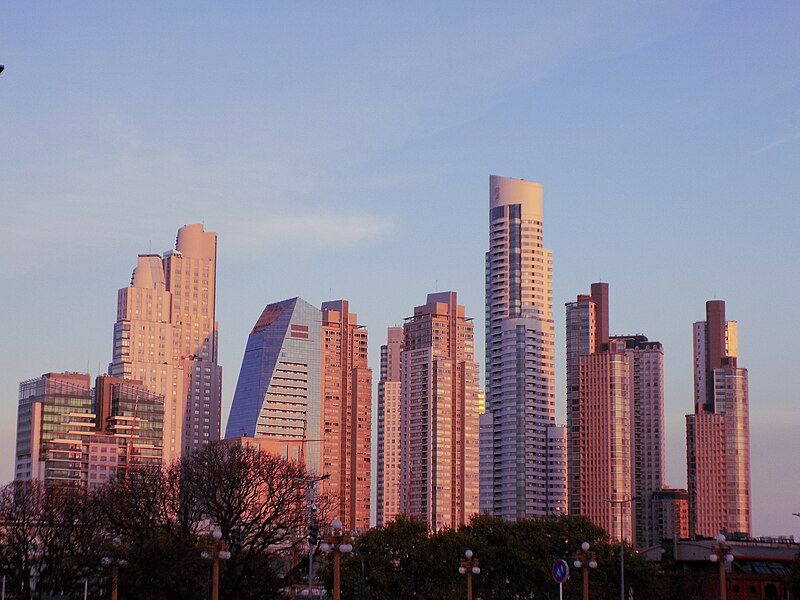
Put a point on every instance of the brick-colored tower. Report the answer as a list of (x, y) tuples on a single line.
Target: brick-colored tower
[(439, 395), (718, 433), (388, 484), (346, 414), (615, 419)]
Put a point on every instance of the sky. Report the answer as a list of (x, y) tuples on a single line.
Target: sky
[(343, 150)]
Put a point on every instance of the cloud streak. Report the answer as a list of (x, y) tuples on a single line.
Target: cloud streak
[(777, 143), (312, 230)]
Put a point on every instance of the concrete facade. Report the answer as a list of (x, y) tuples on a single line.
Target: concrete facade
[(718, 433), (615, 419), (388, 478), (166, 336), (346, 414), (439, 423)]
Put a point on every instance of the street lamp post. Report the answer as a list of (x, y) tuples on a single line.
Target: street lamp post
[(338, 542), (585, 560), (115, 562), (217, 550), (469, 567), (621, 504), (721, 554)]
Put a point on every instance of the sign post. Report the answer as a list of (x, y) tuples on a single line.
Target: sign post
[(560, 573)]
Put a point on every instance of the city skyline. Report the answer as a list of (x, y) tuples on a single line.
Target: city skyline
[(326, 220)]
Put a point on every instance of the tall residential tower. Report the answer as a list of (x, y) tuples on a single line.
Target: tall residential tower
[(517, 479), (439, 423), (718, 433), (615, 418), (166, 336), (346, 413), (388, 483)]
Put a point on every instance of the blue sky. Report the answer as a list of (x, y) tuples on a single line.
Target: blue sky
[(345, 151)]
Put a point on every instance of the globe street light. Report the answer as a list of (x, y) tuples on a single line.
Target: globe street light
[(215, 551), (338, 542), (469, 567), (721, 553), (585, 560), (115, 561)]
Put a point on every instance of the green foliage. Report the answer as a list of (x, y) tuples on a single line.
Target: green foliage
[(403, 560)]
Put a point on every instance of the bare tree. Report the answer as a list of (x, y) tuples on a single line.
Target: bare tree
[(256, 498)]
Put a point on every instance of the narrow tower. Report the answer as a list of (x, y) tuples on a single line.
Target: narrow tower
[(346, 414), (516, 478), (439, 424), (388, 484), (718, 433)]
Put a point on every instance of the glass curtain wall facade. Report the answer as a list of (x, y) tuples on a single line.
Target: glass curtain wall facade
[(278, 393)]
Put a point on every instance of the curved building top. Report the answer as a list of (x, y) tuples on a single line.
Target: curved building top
[(507, 190)]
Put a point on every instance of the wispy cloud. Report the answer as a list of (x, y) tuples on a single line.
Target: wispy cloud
[(777, 143), (312, 230)]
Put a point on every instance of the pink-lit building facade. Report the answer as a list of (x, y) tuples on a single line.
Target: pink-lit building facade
[(388, 443), (439, 414), (718, 433), (517, 478), (671, 515), (346, 414), (166, 336), (615, 419)]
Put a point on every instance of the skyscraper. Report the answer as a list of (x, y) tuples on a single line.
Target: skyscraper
[(615, 419), (718, 433), (278, 391), (646, 388), (439, 425), (166, 337), (191, 276), (516, 479), (305, 383), (346, 414), (388, 480)]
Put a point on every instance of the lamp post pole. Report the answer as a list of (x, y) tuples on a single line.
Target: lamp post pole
[(115, 561), (721, 553), (585, 559), (338, 542), (469, 567), (217, 550), (621, 504)]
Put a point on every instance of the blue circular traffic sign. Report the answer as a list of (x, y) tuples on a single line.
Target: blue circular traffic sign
[(560, 571)]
